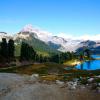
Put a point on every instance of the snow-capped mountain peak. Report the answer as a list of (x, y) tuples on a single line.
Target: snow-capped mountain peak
[(40, 34), (29, 28), (62, 44)]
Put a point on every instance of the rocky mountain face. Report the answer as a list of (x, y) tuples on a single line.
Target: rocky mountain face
[(30, 33), (55, 42), (4, 35)]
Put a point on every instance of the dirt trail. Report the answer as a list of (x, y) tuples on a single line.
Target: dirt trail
[(17, 87)]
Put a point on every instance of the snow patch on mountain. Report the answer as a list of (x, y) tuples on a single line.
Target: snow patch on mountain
[(23, 36), (57, 42), (40, 34), (5, 35), (64, 44)]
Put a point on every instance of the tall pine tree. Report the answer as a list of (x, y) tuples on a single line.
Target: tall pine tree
[(27, 52), (11, 49), (4, 49)]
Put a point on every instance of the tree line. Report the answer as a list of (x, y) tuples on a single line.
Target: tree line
[(27, 53), (63, 57), (7, 50)]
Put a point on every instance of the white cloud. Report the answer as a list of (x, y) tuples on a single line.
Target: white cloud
[(67, 36), (82, 37)]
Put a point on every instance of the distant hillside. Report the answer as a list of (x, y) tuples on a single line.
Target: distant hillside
[(39, 46)]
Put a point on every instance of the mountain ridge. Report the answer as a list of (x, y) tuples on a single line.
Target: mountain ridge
[(58, 43)]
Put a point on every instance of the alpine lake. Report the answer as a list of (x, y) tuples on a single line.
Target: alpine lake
[(90, 65)]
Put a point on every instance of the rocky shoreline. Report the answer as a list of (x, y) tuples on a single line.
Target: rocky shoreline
[(25, 87)]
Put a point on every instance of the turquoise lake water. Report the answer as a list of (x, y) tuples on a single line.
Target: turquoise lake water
[(90, 65)]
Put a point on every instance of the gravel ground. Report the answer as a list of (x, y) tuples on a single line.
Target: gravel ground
[(18, 87)]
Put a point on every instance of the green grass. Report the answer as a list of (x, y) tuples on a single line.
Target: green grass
[(72, 62), (43, 68), (80, 73), (17, 50), (51, 69)]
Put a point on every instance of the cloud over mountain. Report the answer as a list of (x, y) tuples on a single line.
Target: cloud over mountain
[(81, 37), (62, 42)]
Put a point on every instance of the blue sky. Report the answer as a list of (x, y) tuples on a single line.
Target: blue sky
[(75, 17)]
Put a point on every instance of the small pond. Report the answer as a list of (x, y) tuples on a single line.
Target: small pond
[(90, 65)]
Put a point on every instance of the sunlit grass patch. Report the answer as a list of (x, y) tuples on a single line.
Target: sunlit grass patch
[(72, 62)]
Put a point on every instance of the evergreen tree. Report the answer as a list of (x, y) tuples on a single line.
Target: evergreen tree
[(87, 53), (55, 58), (22, 55), (27, 52), (11, 49), (4, 49), (36, 57)]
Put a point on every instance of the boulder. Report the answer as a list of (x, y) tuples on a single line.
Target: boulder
[(34, 77), (59, 82), (72, 85), (90, 80)]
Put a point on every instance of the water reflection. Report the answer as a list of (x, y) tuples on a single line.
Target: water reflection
[(88, 64), (81, 66), (85, 65)]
